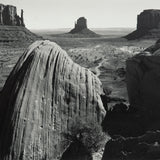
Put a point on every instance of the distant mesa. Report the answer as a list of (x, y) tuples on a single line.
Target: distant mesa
[(148, 25), (81, 28), (8, 16), (12, 27), (80, 25)]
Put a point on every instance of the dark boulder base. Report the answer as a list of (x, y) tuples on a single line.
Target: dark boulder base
[(146, 147), (76, 151), (124, 121)]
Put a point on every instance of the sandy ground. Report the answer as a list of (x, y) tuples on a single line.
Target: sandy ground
[(104, 57)]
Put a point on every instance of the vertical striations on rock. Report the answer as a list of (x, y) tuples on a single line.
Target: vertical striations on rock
[(45, 93)]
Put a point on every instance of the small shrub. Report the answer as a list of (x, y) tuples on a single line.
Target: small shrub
[(89, 134)]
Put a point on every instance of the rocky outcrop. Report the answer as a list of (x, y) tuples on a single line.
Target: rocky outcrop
[(44, 95), (148, 25), (81, 29), (143, 84), (8, 16)]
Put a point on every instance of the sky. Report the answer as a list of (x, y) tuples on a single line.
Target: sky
[(54, 14)]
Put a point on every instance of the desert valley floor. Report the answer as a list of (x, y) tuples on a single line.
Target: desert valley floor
[(103, 56)]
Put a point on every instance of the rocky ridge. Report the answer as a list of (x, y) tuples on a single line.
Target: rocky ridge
[(45, 93)]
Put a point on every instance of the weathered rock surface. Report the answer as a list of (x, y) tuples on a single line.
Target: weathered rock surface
[(81, 29), (45, 93), (8, 16), (148, 25)]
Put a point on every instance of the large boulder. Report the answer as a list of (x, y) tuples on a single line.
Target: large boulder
[(143, 83), (44, 95)]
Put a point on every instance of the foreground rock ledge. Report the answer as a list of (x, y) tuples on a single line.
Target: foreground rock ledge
[(45, 93)]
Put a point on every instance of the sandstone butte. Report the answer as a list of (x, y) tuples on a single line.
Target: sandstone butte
[(45, 93), (12, 27), (81, 29), (148, 25)]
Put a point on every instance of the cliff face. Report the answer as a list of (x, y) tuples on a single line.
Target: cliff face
[(8, 16), (148, 19), (143, 84), (148, 25), (143, 81), (44, 95)]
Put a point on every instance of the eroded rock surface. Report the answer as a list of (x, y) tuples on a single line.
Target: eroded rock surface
[(45, 93)]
